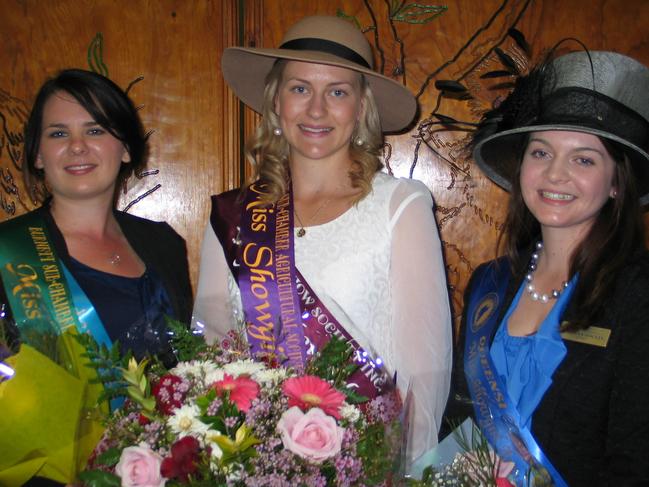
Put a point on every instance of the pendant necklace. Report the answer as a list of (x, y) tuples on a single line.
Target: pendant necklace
[(302, 231)]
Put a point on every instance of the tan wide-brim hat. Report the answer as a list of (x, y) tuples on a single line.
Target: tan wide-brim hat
[(323, 40)]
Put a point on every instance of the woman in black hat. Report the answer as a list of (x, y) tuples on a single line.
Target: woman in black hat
[(322, 242), (555, 334)]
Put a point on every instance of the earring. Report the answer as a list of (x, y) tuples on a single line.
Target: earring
[(277, 131), (614, 194), (358, 141)]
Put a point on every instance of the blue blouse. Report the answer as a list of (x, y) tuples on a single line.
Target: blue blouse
[(526, 363), (131, 309)]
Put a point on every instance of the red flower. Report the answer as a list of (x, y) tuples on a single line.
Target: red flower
[(310, 391), (143, 420), (167, 394), (503, 482), (242, 390), (183, 461)]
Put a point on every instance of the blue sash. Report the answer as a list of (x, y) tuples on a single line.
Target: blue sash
[(497, 418)]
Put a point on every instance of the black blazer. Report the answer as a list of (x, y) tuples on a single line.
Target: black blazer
[(593, 421), (156, 243)]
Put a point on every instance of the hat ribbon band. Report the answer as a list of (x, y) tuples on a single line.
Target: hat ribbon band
[(329, 47)]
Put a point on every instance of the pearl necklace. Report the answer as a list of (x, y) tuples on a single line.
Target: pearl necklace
[(529, 277)]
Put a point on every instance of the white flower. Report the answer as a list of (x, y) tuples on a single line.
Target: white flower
[(350, 413), (270, 376), (216, 451), (185, 421), (241, 367), (213, 376), (194, 369)]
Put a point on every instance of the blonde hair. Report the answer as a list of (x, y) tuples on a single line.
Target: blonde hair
[(268, 153)]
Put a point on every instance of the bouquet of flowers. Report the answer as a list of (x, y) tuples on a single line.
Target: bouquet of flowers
[(465, 459), (221, 418)]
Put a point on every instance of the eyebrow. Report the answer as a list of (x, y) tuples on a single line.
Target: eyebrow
[(328, 84), (576, 149), (61, 125)]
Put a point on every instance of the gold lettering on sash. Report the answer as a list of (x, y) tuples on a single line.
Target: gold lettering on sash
[(258, 259), (260, 210), (61, 302), (293, 346), (27, 290)]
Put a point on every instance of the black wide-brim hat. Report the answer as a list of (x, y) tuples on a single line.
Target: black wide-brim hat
[(597, 92), (323, 40)]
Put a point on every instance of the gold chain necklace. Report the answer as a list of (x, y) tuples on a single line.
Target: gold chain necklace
[(302, 232)]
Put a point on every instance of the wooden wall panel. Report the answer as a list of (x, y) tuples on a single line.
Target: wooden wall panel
[(175, 45)]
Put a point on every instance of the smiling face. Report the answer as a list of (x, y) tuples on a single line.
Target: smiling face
[(318, 107), (566, 178), (80, 158)]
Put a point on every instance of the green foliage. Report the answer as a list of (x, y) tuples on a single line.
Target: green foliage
[(110, 457), (138, 386), (186, 345), (377, 448), (108, 362), (334, 363), (98, 478)]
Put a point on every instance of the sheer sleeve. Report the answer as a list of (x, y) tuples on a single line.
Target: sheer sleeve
[(421, 316), (217, 307)]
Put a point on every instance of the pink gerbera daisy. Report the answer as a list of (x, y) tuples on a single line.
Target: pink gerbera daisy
[(309, 392), (242, 390)]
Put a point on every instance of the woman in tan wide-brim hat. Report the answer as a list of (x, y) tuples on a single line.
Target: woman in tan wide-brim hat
[(555, 339), (364, 245)]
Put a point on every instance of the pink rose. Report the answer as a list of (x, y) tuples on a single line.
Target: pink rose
[(314, 435), (140, 467)]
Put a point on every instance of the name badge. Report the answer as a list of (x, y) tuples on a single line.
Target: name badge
[(593, 335)]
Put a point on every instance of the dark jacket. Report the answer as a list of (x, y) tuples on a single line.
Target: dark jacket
[(159, 247), (593, 421), (156, 243)]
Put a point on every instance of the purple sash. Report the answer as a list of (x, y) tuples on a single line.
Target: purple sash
[(267, 278), (258, 244)]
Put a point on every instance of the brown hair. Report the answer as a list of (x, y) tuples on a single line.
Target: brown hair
[(106, 103), (268, 153), (617, 232)]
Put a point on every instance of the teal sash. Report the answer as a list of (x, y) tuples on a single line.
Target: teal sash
[(45, 298)]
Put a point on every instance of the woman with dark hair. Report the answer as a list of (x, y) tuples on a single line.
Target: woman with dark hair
[(322, 242), (555, 334), (83, 140), (76, 262)]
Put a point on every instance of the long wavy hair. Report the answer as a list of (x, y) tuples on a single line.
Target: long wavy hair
[(616, 233), (269, 153)]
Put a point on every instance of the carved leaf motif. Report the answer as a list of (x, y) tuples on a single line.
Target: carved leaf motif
[(415, 13), (96, 55)]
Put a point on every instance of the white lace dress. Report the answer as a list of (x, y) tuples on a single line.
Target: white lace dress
[(379, 269)]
